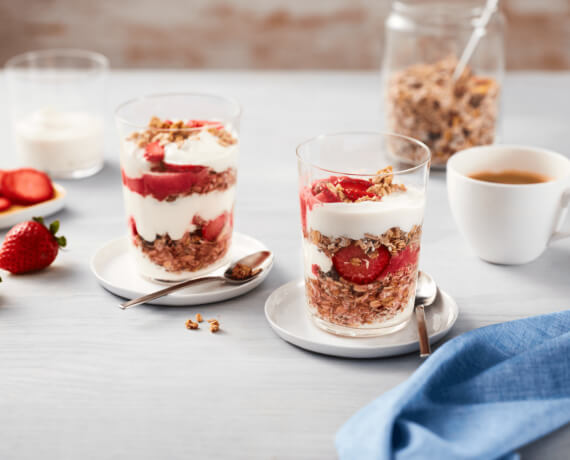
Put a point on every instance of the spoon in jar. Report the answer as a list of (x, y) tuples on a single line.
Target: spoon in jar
[(243, 271), (478, 32), (426, 292)]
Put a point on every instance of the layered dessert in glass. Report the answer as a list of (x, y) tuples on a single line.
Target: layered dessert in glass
[(361, 229), (179, 177)]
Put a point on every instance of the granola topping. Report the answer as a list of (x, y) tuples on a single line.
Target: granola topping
[(165, 131)]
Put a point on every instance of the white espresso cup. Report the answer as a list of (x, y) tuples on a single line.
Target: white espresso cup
[(508, 223)]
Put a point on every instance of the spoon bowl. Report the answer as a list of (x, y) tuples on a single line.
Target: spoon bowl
[(248, 268)]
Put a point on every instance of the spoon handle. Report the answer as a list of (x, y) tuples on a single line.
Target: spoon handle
[(165, 291), (425, 348)]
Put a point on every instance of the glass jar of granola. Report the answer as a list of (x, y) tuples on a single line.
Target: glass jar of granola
[(362, 199), (424, 40)]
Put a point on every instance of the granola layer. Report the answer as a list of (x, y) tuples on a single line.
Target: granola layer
[(338, 301), (188, 254), (425, 103)]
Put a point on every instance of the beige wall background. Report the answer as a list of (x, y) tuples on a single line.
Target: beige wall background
[(254, 34)]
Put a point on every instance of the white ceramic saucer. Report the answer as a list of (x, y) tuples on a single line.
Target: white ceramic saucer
[(113, 266), (285, 311), (18, 214)]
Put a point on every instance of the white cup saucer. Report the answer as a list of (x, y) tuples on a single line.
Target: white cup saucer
[(285, 311), (114, 268)]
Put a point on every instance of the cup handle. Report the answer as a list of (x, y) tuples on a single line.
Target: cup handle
[(564, 204)]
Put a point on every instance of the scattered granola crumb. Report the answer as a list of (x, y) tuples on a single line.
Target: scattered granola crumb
[(242, 272), (199, 318), (214, 325), (191, 324)]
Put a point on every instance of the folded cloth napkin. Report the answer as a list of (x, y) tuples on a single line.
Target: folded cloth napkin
[(479, 396)]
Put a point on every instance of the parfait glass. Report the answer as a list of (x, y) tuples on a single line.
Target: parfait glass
[(179, 157), (362, 197)]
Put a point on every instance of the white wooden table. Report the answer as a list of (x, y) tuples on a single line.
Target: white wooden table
[(81, 379)]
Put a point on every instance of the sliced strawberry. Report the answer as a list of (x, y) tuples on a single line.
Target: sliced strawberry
[(354, 265), (26, 186), (133, 226), (212, 229), (326, 196), (202, 123), (154, 152), (303, 203), (5, 203), (354, 188), (2, 172), (404, 258), (315, 270)]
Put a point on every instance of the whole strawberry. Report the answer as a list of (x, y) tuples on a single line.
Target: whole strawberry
[(30, 246)]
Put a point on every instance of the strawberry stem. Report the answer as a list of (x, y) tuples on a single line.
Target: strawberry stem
[(53, 229)]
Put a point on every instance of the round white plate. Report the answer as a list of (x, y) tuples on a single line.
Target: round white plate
[(285, 311), (17, 214), (113, 266)]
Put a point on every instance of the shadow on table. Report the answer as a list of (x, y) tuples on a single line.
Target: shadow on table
[(552, 268)]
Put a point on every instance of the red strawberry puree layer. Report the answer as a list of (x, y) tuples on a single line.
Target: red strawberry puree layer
[(162, 185)]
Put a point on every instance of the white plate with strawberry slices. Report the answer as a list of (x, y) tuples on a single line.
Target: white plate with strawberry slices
[(286, 312), (26, 193), (115, 270)]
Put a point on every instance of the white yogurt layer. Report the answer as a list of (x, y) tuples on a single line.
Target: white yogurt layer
[(353, 220), (201, 150), (153, 217), (60, 142), (312, 255), (151, 270)]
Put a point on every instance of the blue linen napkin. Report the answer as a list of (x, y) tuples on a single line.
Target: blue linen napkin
[(479, 396)]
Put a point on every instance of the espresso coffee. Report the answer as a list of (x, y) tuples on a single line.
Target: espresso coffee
[(510, 176)]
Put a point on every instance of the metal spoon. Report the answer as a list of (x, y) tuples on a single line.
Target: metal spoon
[(258, 261), (426, 292)]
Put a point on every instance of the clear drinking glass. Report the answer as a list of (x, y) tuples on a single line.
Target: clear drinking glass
[(179, 157), (424, 40), (362, 201), (57, 103)]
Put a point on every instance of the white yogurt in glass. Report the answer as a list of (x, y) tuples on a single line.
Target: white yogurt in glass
[(64, 144)]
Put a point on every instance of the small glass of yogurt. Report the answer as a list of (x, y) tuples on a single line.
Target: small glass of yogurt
[(57, 102), (362, 199), (179, 157)]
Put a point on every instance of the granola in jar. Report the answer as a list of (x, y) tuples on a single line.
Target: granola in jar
[(424, 102)]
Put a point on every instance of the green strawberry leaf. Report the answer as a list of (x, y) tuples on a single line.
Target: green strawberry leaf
[(61, 241), (39, 220), (54, 227)]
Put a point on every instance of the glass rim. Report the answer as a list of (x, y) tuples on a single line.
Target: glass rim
[(236, 105), (368, 133), (101, 60)]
